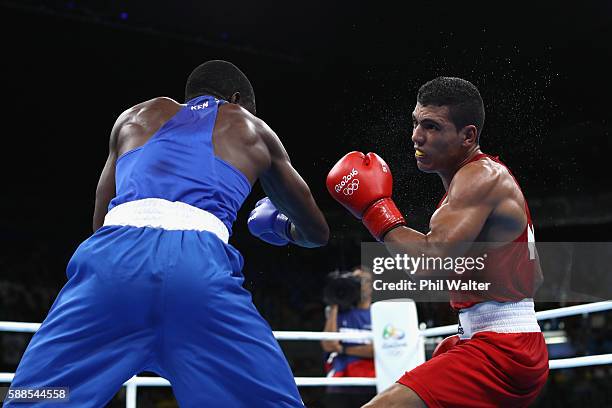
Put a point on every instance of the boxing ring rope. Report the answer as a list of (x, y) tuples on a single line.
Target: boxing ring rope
[(132, 384), (541, 315), (307, 335)]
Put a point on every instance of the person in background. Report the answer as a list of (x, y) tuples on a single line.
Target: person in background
[(354, 358)]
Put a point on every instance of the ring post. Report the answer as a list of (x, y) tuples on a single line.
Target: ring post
[(398, 344)]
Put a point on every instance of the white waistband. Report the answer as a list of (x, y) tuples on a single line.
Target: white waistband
[(499, 317), (168, 215)]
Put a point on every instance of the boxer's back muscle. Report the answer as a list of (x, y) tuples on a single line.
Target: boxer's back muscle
[(236, 135)]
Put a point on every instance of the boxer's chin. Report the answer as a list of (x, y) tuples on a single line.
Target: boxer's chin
[(424, 167)]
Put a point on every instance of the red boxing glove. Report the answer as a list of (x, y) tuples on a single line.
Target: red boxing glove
[(363, 184), (445, 345)]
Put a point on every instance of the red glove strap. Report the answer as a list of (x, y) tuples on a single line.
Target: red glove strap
[(382, 216)]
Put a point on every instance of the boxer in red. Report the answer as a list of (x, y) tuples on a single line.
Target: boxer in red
[(500, 357)]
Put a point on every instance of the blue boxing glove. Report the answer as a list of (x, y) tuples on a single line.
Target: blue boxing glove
[(268, 224)]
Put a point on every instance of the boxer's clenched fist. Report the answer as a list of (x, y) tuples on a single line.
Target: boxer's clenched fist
[(268, 224), (363, 184)]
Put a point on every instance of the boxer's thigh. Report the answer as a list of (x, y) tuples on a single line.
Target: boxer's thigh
[(217, 347), (396, 396), (479, 373), (96, 335)]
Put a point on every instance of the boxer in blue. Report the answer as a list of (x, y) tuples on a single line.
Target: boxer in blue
[(157, 287)]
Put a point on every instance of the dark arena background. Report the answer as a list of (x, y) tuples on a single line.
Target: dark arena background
[(328, 79)]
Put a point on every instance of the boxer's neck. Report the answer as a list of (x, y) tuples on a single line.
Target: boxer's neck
[(447, 175)]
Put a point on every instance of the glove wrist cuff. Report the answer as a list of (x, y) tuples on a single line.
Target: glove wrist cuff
[(282, 227), (381, 217)]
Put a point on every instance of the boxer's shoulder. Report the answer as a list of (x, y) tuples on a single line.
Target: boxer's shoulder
[(241, 138), (157, 108), (136, 124), (237, 118), (159, 102), (484, 167), (482, 180)]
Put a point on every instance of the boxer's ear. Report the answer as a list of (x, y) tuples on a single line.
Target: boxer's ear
[(469, 135), (235, 98)]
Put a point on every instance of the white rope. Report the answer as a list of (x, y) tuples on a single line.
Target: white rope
[(280, 335), (147, 382), (580, 361), (541, 315), (574, 310), (135, 381), (572, 362), (440, 331), (431, 332), (19, 327), (334, 381), (305, 335), (300, 381)]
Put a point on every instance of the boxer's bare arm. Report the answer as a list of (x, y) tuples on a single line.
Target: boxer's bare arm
[(105, 191), (291, 195), (251, 146), (473, 194)]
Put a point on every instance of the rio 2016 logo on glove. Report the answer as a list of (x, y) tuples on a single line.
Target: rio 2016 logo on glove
[(351, 188), (345, 180)]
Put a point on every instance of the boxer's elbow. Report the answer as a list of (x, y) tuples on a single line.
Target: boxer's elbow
[(321, 236), (313, 237), (98, 217), (311, 233)]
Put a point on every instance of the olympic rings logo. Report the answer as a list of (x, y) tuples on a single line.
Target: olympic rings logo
[(351, 188)]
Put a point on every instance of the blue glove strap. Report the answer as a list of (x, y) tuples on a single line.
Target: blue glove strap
[(282, 227), (268, 224)]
